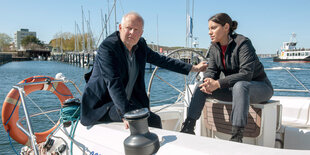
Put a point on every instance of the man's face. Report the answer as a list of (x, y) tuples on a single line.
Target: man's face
[(131, 31)]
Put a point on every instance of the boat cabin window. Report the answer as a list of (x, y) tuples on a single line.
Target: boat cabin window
[(302, 54)]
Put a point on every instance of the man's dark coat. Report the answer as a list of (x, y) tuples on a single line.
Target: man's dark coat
[(108, 80)]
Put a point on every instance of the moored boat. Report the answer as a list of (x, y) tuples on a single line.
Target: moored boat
[(289, 52)]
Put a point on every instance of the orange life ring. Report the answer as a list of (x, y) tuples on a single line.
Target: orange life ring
[(10, 107)]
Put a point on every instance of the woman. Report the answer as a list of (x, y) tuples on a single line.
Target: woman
[(245, 80)]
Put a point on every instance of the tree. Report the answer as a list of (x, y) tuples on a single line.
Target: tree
[(5, 41), (31, 41), (66, 41)]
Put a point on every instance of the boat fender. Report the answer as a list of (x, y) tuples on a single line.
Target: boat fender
[(11, 104), (140, 141)]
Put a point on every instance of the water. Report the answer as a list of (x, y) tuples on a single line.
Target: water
[(14, 72)]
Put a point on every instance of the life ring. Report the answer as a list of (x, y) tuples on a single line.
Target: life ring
[(10, 107)]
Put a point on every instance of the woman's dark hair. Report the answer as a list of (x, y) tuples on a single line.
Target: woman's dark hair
[(223, 18)]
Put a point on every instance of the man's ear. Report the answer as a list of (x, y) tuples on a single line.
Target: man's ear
[(119, 27)]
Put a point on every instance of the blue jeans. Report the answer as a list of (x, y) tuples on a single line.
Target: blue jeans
[(241, 95)]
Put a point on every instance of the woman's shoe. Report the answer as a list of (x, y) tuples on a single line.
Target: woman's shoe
[(188, 126), (237, 134)]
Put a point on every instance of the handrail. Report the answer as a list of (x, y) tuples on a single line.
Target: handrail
[(35, 83), (156, 68), (306, 90), (29, 125), (30, 133)]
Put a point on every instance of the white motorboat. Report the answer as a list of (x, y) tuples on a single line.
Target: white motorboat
[(281, 126), (289, 52)]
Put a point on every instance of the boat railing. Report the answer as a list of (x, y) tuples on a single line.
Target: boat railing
[(288, 69), (198, 78), (195, 57), (20, 87)]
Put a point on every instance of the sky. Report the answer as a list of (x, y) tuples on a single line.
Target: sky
[(268, 23)]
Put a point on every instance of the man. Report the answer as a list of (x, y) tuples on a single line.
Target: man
[(116, 84)]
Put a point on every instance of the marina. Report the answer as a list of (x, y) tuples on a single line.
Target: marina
[(159, 92), (42, 83)]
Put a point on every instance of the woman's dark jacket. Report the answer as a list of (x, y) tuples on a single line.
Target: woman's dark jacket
[(241, 62)]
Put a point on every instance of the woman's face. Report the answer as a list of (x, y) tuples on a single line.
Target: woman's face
[(218, 33)]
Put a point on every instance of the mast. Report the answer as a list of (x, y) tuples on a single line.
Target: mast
[(186, 15), (102, 21), (189, 22), (109, 20), (192, 24), (88, 33), (74, 36), (157, 33), (83, 34), (115, 16)]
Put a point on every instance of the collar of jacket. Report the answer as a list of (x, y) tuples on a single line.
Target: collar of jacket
[(230, 40)]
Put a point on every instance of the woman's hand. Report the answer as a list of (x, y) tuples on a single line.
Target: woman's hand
[(209, 85)]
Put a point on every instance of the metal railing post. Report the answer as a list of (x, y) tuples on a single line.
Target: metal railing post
[(32, 136)]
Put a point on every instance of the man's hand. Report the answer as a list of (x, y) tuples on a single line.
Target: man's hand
[(209, 85), (201, 67), (126, 123)]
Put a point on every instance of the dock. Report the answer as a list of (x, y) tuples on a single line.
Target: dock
[(82, 59)]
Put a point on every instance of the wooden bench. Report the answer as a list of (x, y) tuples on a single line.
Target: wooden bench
[(261, 126), (217, 118)]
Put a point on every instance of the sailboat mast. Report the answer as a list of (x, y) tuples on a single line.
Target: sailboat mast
[(192, 20), (83, 34), (189, 22), (75, 43), (157, 33), (186, 15), (115, 16), (88, 32), (109, 15)]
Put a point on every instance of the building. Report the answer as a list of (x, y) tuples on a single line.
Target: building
[(20, 35)]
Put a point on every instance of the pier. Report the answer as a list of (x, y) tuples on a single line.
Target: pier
[(83, 59), (5, 58)]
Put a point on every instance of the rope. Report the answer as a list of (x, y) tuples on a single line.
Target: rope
[(59, 92), (11, 142), (72, 132), (70, 113)]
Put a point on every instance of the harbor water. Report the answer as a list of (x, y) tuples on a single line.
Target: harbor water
[(14, 72)]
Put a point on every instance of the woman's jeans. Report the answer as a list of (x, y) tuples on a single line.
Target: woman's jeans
[(241, 95)]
